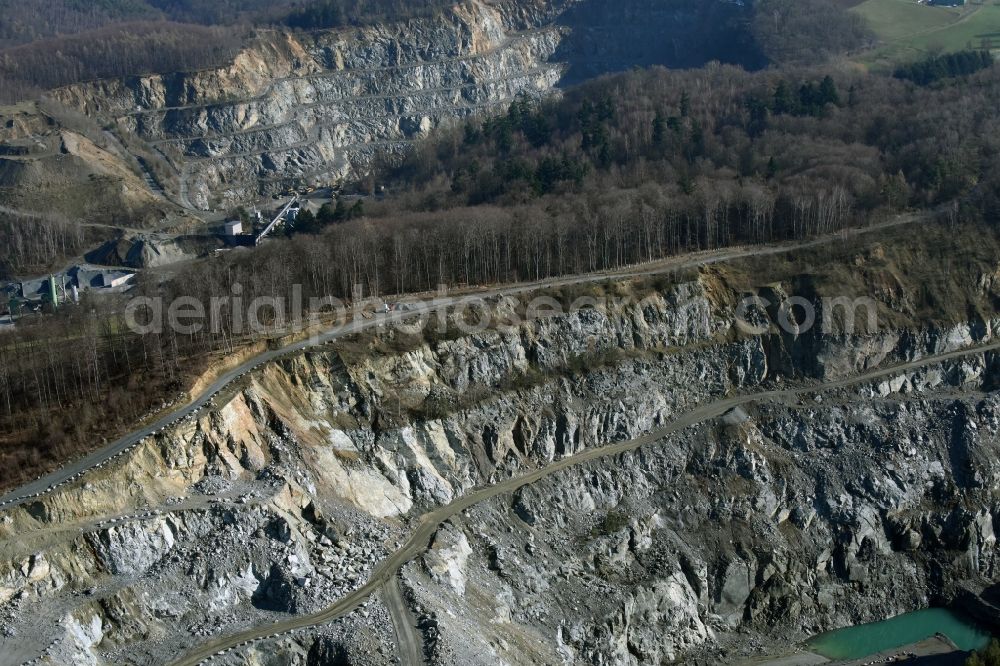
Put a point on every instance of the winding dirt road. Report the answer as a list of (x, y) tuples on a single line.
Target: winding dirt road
[(409, 644), (384, 576), (418, 542), (74, 471)]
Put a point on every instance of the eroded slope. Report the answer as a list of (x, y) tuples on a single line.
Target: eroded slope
[(792, 515)]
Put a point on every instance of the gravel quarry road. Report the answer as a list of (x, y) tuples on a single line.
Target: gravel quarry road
[(409, 644), (77, 469), (385, 573)]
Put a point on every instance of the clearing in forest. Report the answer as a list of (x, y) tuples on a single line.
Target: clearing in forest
[(910, 30)]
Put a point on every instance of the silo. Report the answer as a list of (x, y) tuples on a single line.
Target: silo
[(53, 294)]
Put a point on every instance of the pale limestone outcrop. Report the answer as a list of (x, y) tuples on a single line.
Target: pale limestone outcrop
[(447, 557), (320, 106), (287, 495)]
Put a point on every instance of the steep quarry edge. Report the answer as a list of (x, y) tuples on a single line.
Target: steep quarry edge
[(320, 106), (343, 446)]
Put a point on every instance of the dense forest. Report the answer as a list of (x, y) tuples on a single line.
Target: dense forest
[(625, 169), (716, 133), (113, 52), (807, 31), (30, 243), (940, 67)]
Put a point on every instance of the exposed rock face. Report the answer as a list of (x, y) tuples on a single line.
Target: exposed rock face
[(803, 518), (317, 106), (134, 547), (447, 558), (313, 108), (320, 106), (781, 519)]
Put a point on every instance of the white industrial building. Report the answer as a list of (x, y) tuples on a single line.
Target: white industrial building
[(234, 228)]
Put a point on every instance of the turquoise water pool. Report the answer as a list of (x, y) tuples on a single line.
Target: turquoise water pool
[(867, 639)]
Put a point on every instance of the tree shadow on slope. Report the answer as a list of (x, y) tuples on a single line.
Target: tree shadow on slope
[(612, 37)]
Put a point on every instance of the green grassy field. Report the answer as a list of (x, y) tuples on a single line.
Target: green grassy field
[(910, 31)]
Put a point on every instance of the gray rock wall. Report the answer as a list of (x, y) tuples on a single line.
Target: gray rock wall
[(780, 520), (317, 107)]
